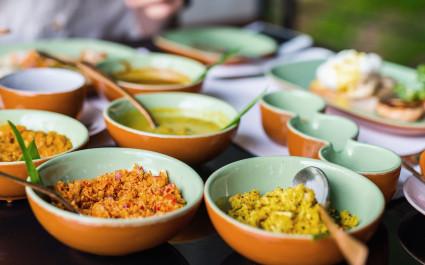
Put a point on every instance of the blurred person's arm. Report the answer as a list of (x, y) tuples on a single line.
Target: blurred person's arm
[(152, 15)]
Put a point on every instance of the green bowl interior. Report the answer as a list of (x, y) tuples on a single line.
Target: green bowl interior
[(186, 66), (295, 101), (219, 39), (333, 129), (90, 163), (48, 121), (362, 158), (185, 104), (348, 190)]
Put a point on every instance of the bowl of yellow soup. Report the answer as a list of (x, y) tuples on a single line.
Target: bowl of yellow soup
[(190, 125), (153, 72)]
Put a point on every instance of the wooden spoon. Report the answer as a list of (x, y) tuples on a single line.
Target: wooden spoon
[(95, 74), (47, 191), (354, 251), (412, 170)]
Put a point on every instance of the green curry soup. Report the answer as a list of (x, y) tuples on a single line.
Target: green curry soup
[(174, 122)]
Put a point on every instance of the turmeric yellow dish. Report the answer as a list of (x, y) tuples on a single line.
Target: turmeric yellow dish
[(291, 210), (123, 194), (48, 143)]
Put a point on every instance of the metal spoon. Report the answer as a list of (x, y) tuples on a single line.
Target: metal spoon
[(314, 178), (95, 74), (47, 191)]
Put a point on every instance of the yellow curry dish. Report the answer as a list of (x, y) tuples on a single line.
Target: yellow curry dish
[(123, 194), (152, 76), (171, 122), (291, 210), (48, 143)]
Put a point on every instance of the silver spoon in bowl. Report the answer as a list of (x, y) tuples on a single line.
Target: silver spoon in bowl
[(47, 191), (314, 178)]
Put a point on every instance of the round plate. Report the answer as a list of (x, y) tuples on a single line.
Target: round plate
[(411, 233), (203, 43), (300, 74), (414, 191)]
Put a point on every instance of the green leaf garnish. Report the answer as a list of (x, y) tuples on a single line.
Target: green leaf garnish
[(31, 169), (225, 56), (412, 94), (245, 110), (33, 150)]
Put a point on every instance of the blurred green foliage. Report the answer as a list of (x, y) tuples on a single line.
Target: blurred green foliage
[(395, 29)]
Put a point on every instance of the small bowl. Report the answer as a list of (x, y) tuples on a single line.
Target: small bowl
[(52, 89), (40, 121), (190, 68), (114, 236), (348, 191), (378, 164), (277, 108), (414, 190), (192, 149), (306, 136)]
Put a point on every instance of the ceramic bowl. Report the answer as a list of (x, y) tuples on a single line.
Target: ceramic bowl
[(188, 67), (41, 121), (378, 164), (192, 149), (114, 236), (414, 190), (348, 191), (277, 108), (307, 135), (52, 89)]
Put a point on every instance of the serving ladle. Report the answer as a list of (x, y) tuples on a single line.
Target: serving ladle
[(314, 178), (47, 191)]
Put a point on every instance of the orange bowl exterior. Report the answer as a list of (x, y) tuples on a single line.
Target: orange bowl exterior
[(299, 145), (111, 94), (69, 102), (422, 163), (8, 189), (277, 251), (105, 239), (386, 182), (191, 150), (275, 124)]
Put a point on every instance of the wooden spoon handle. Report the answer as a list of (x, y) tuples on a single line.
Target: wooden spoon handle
[(4, 31), (353, 250), (97, 75)]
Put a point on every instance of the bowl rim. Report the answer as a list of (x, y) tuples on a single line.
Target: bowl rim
[(375, 147), (276, 109), (119, 222), (109, 119), (32, 93), (304, 135), (62, 116), (275, 235)]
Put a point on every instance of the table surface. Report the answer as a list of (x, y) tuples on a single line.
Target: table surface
[(24, 241)]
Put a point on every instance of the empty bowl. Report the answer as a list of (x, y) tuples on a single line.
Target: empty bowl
[(39, 121), (378, 164), (348, 191), (277, 108), (306, 136), (104, 236), (192, 149), (52, 89)]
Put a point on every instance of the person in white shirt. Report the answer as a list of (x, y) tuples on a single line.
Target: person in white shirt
[(27, 20)]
